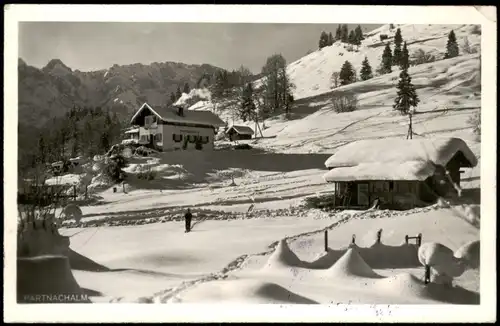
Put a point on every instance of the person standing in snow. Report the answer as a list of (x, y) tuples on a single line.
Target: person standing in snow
[(187, 218)]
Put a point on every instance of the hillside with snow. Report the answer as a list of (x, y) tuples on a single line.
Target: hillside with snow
[(312, 73)]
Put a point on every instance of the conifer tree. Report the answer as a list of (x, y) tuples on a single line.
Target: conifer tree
[(247, 109), (323, 40), (366, 70), (338, 33), (451, 46), (172, 97), (347, 75), (406, 95), (344, 35), (398, 40), (404, 62), (186, 88), (330, 39), (386, 60), (178, 93), (352, 38), (359, 34)]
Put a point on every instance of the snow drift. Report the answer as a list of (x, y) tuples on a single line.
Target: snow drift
[(49, 276)]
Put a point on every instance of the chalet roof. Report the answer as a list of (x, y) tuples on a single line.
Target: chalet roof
[(439, 151), (170, 114), (411, 171), (242, 130)]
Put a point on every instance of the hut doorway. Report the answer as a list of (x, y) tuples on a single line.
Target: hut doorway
[(363, 194)]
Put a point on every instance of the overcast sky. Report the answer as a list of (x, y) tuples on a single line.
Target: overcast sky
[(93, 45)]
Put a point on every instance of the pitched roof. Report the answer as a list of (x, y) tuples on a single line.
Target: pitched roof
[(242, 130), (411, 170), (171, 114), (436, 150)]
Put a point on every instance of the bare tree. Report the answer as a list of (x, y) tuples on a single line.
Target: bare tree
[(335, 79)]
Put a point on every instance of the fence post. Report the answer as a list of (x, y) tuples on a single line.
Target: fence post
[(427, 276), (326, 240), (406, 239), (74, 192), (419, 240), (353, 241)]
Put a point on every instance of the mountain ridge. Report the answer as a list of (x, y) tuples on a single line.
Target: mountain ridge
[(52, 90)]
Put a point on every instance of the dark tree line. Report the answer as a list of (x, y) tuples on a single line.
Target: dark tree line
[(81, 131), (342, 34)]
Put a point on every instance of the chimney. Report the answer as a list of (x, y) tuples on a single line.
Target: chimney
[(180, 111)]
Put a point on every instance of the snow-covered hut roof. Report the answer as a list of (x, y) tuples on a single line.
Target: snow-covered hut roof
[(242, 130), (170, 114), (132, 131), (436, 150), (411, 170)]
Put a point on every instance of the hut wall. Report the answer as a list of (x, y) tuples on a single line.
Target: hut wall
[(454, 165)]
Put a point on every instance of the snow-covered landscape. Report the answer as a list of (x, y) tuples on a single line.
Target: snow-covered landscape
[(125, 259), (256, 237)]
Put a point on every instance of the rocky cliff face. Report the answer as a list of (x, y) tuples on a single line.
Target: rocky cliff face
[(52, 90)]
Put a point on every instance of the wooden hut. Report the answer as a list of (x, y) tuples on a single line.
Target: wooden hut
[(239, 132), (397, 173)]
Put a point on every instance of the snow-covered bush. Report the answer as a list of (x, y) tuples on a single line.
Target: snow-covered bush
[(345, 103), (147, 173), (421, 57), (113, 168)]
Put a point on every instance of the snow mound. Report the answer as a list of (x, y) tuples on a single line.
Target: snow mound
[(242, 291), (46, 275), (351, 264), (404, 284), (441, 259), (470, 213), (283, 257), (274, 293), (469, 254)]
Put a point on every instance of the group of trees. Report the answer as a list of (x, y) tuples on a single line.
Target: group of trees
[(272, 96), (178, 93), (342, 34), (399, 57), (81, 131), (228, 84), (347, 74)]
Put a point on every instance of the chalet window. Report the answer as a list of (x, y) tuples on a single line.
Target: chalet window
[(391, 185), (176, 138), (144, 137), (150, 119), (158, 137)]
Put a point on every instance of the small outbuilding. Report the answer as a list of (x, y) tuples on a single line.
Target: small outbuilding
[(397, 173), (236, 132)]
